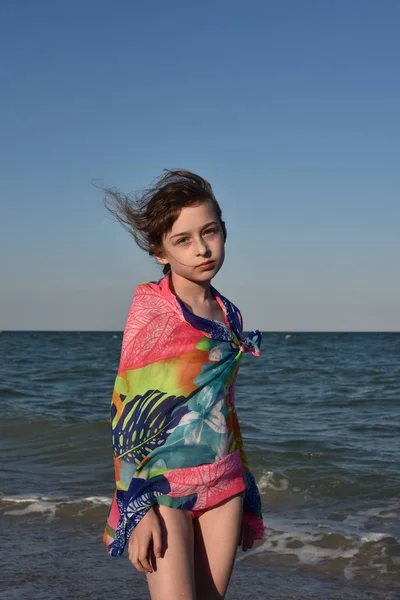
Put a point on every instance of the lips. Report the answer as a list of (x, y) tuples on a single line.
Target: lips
[(207, 265)]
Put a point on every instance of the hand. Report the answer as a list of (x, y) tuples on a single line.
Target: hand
[(246, 538), (145, 542)]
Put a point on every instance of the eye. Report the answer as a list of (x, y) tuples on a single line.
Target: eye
[(210, 231), (182, 240)]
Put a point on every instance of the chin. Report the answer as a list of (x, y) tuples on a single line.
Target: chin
[(207, 275)]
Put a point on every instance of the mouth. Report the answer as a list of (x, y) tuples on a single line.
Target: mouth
[(206, 265)]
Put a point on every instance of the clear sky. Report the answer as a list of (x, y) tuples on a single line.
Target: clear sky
[(290, 108)]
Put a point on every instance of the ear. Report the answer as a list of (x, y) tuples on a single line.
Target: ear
[(161, 260), (158, 252), (160, 256)]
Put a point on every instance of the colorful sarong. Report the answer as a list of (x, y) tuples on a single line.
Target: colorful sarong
[(175, 432)]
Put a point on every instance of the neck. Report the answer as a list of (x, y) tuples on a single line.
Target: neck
[(190, 291)]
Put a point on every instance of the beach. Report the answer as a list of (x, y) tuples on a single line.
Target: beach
[(320, 415)]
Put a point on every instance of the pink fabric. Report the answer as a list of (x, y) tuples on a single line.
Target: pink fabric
[(213, 483), (152, 319), (256, 524)]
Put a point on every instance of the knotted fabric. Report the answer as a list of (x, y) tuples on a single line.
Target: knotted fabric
[(175, 431)]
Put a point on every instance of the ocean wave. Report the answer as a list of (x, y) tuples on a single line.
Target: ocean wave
[(10, 391), (50, 507), (388, 515), (268, 481), (366, 555), (320, 481)]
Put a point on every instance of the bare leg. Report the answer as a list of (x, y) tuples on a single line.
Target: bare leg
[(216, 540), (173, 575)]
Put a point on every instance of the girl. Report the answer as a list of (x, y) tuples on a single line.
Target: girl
[(185, 498)]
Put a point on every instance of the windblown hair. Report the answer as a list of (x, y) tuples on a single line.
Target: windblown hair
[(149, 215)]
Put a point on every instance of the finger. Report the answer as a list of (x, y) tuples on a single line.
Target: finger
[(134, 558), (251, 539), (240, 536), (245, 539), (157, 542), (131, 545), (138, 565), (132, 553), (144, 558)]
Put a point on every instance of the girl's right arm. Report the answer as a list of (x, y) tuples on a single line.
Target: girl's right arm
[(145, 540)]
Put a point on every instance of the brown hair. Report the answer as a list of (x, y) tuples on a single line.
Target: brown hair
[(149, 215)]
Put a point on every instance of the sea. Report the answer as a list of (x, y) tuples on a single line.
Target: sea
[(320, 415)]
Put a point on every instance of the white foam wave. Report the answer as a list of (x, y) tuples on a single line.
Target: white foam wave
[(35, 507), (47, 505), (302, 544), (373, 537), (98, 499), (368, 518), (267, 482), (19, 499), (392, 511), (307, 548)]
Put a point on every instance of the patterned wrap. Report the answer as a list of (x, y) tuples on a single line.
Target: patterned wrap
[(175, 432)]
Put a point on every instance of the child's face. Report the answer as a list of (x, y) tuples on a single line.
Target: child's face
[(196, 238)]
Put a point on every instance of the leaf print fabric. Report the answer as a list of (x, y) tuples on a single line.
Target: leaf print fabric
[(175, 432), (144, 422), (205, 411)]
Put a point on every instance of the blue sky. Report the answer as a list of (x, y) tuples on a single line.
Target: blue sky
[(290, 109)]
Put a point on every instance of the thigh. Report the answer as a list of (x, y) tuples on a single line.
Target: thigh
[(215, 544), (173, 575)]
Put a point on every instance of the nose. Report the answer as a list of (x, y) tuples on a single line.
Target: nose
[(202, 249)]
